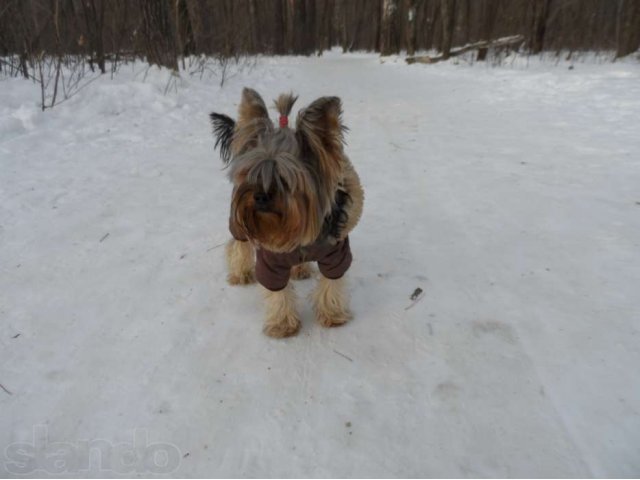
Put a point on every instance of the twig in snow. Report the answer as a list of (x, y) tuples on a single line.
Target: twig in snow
[(4, 388), (216, 246), (397, 147), (343, 355), (104, 238), (416, 296), (16, 335)]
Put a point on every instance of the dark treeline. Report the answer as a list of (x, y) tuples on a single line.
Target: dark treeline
[(165, 30)]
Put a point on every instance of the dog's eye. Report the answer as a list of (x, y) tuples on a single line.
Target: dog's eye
[(261, 198)]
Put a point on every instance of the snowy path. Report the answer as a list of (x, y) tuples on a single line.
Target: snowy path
[(510, 196)]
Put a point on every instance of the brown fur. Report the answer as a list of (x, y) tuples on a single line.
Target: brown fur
[(286, 184), (320, 132), (302, 271), (291, 223), (253, 121), (351, 184)]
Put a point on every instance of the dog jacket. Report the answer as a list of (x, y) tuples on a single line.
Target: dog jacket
[(274, 269)]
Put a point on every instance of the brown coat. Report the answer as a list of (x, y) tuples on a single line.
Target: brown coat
[(274, 269)]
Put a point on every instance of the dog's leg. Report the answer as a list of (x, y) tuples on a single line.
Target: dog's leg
[(282, 317), (240, 262), (331, 303), (302, 271)]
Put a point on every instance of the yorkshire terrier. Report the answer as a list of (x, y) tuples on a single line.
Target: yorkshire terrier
[(296, 197)]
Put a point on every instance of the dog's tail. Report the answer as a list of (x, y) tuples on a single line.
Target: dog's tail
[(284, 104)]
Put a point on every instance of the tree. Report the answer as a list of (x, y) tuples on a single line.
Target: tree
[(410, 30), (628, 27), (157, 33), (540, 19), (489, 11), (448, 8), (389, 8)]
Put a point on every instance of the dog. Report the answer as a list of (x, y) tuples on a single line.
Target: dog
[(296, 197)]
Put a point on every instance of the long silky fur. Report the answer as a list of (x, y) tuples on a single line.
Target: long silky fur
[(253, 122), (284, 103), (223, 127), (273, 166), (320, 134), (316, 194)]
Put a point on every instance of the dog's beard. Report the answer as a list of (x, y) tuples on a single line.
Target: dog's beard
[(290, 220)]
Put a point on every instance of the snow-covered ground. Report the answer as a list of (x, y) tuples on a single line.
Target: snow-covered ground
[(510, 195)]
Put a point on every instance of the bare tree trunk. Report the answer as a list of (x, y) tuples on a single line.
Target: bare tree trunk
[(159, 43), (196, 20), (120, 31), (356, 32), (467, 21), (489, 10), (627, 27), (325, 21), (540, 18), (448, 8), (389, 8), (432, 22), (340, 24), (94, 23), (99, 35), (253, 33), (179, 28), (410, 33), (289, 22), (185, 40), (310, 31)]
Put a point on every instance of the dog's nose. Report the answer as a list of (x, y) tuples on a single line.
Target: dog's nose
[(261, 199)]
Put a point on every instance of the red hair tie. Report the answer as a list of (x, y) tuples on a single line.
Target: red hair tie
[(284, 121)]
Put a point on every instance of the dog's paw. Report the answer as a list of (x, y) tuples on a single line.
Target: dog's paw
[(286, 327), (244, 278), (333, 319), (301, 272)]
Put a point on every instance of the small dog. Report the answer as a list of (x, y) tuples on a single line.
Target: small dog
[(296, 197)]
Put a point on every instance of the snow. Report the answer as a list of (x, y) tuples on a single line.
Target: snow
[(509, 195)]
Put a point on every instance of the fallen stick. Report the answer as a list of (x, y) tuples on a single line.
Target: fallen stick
[(216, 246), (343, 355), (416, 300), (500, 42)]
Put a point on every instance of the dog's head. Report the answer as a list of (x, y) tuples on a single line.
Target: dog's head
[(284, 179)]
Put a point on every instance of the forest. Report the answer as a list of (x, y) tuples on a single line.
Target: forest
[(164, 31)]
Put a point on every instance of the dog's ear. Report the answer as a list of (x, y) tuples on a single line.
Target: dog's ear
[(251, 107), (223, 131), (320, 131), (253, 121)]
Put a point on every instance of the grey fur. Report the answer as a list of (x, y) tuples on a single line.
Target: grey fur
[(274, 159)]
